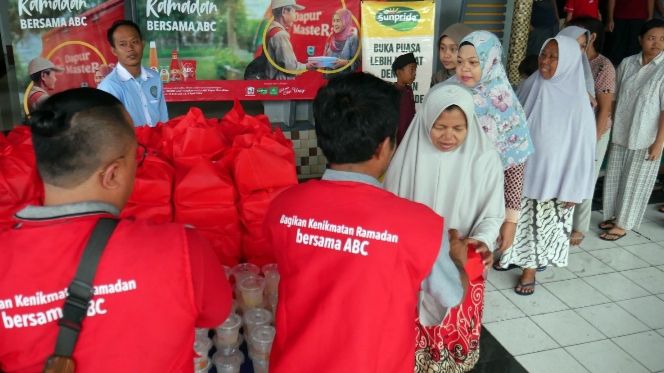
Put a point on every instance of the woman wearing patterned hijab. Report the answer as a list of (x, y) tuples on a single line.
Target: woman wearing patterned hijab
[(343, 42), (446, 162), (500, 115)]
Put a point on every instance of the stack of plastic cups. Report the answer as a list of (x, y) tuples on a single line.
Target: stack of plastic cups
[(251, 292), (227, 340), (260, 345), (202, 346), (271, 274)]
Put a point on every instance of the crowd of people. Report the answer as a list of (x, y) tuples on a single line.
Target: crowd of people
[(374, 276)]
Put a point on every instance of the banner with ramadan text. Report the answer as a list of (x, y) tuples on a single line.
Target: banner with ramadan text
[(390, 29), (65, 38), (226, 49)]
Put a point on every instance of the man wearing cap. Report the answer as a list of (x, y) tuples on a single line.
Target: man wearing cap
[(279, 46), (405, 69), (42, 73), (139, 89)]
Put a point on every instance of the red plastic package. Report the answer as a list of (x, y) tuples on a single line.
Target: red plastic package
[(152, 197)]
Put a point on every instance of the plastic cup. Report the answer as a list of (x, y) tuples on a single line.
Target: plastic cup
[(227, 333), (251, 290), (230, 363), (256, 317), (202, 333), (202, 346), (272, 300), (201, 364), (271, 273), (260, 366), (260, 342), (228, 350), (240, 271)]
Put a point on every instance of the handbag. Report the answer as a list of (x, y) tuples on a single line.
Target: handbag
[(79, 294)]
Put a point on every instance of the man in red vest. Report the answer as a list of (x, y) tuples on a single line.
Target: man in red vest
[(154, 283), (351, 255)]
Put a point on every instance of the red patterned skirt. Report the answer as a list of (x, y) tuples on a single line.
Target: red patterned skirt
[(454, 346)]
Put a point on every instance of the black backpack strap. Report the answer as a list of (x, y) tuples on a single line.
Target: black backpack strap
[(80, 291)]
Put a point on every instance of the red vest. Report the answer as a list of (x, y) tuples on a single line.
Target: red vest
[(352, 258), (141, 318)]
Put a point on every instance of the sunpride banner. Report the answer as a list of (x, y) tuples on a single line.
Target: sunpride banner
[(60, 45), (249, 49), (390, 29)]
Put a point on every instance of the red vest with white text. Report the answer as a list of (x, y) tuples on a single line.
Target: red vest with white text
[(351, 257), (141, 318)]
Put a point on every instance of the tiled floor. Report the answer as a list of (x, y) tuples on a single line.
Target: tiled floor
[(603, 313)]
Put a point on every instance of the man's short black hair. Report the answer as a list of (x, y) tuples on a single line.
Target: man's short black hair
[(122, 22), (595, 26), (75, 131), (653, 23), (354, 113), (36, 77)]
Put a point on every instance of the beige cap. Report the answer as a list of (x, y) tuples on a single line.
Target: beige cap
[(38, 64), (281, 3)]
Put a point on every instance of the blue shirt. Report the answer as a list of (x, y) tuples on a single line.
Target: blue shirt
[(142, 96)]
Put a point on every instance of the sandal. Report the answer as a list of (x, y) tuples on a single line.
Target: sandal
[(576, 238), (661, 209), (541, 269), (607, 224), (525, 289), (606, 236), (510, 267)]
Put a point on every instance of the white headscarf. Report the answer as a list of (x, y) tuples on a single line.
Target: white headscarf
[(562, 126), (574, 32), (465, 185)]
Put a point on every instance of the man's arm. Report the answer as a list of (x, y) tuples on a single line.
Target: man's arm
[(212, 292), (283, 52), (651, 8), (163, 109), (609, 15)]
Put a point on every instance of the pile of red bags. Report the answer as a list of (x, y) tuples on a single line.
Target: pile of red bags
[(218, 176)]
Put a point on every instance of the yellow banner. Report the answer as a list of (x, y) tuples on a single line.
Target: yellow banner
[(381, 19)]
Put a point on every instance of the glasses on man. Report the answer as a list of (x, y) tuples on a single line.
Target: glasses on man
[(141, 153)]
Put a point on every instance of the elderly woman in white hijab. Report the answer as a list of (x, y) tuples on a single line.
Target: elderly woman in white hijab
[(582, 37), (561, 172), (446, 162)]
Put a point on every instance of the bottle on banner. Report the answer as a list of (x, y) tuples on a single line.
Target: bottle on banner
[(176, 68), (154, 61)]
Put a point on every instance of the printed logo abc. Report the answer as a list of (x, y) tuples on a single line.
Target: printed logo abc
[(251, 90)]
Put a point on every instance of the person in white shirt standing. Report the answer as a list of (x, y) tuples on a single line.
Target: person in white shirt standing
[(139, 89)]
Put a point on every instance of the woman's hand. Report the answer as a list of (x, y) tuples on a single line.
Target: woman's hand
[(655, 152), (568, 205), (340, 63), (483, 250), (506, 236)]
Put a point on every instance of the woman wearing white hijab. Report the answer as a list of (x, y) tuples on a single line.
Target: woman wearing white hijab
[(446, 162), (582, 36), (561, 172)]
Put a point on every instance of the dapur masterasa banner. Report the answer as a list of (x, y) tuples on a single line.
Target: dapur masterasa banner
[(60, 45), (249, 49), (390, 29)]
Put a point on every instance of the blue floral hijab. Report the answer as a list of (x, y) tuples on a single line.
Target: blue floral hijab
[(498, 109)]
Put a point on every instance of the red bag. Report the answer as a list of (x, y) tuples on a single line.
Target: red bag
[(206, 198), (20, 184), (152, 196)]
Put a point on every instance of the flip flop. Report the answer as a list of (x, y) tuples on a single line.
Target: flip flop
[(607, 224), (530, 285), (661, 209), (604, 236), (541, 269), (498, 268)]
